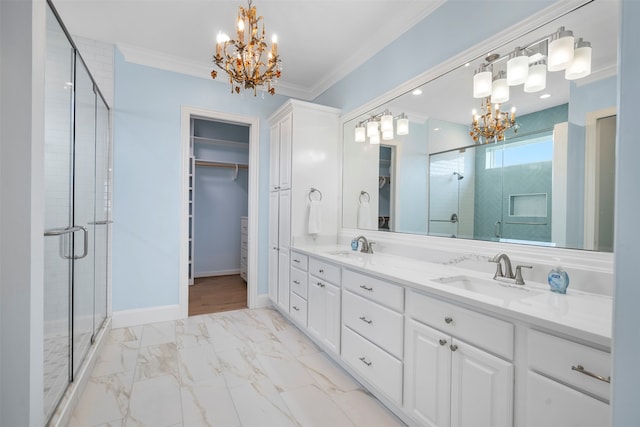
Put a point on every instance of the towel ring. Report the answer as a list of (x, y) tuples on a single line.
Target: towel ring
[(364, 193), (315, 190)]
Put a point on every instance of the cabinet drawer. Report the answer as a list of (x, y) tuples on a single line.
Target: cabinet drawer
[(377, 290), (299, 260), (484, 331), (550, 403), (376, 323), (299, 282), (298, 309), (377, 366), (324, 270), (555, 357)]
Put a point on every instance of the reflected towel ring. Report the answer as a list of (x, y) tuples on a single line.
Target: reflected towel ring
[(315, 190), (364, 193)]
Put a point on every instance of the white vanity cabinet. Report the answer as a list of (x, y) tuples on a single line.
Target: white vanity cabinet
[(279, 242), (323, 303), (448, 381), (298, 285), (567, 382)]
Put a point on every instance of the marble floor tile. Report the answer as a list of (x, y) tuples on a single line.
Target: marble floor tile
[(129, 335), (240, 366), (282, 369), (208, 405), (259, 405), (104, 399), (156, 361), (251, 326), (222, 332), (116, 356), (313, 408), (158, 333), (192, 331), (330, 377), (155, 402), (200, 364), (366, 411)]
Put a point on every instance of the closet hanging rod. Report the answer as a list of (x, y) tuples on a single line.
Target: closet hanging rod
[(220, 164), (223, 142)]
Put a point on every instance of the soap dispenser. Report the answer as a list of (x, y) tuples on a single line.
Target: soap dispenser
[(558, 279)]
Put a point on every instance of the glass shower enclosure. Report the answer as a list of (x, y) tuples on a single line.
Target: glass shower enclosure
[(77, 212)]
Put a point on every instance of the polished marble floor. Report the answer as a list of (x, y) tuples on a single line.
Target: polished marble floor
[(238, 368)]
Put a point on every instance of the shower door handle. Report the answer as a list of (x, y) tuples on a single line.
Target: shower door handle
[(62, 233)]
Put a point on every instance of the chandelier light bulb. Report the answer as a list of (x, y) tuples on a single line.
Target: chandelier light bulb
[(361, 135), (537, 77), (581, 65), (517, 68), (402, 125), (500, 89), (372, 128), (374, 139), (561, 50), (386, 122), (482, 83)]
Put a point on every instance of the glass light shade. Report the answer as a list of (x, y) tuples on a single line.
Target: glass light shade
[(402, 126), (581, 65), (374, 139), (361, 134), (387, 134), (537, 78), (561, 51), (482, 84), (500, 90), (386, 122), (372, 128), (517, 69)]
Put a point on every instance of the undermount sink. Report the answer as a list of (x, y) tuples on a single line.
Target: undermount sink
[(492, 288)]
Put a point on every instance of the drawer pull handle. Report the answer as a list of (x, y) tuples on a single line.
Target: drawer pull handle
[(297, 282), (442, 342), (296, 260), (581, 369), (295, 308), (321, 271), (365, 320), (366, 288), (320, 284), (363, 360), (453, 347), (448, 320)]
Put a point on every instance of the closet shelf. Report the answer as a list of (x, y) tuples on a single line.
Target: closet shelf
[(221, 142)]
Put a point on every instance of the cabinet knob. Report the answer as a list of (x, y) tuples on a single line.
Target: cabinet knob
[(295, 308), (321, 271), (296, 260), (366, 288), (442, 342), (448, 320), (453, 347), (275, 248), (320, 284), (363, 360), (297, 282), (365, 320)]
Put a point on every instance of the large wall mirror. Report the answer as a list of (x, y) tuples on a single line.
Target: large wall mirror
[(501, 148)]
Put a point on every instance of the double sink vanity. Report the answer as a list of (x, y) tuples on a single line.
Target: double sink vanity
[(442, 345)]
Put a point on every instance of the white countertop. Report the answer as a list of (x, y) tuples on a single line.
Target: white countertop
[(578, 314)]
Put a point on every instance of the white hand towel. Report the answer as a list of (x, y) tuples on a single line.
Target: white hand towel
[(315, 220), (364, 215)]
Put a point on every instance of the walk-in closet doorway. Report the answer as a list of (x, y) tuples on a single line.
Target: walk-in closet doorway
[(219, 221)]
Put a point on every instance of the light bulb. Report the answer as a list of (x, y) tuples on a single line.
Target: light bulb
[(374, 139), (517, 67), (386, 122), (402, 125), (372, 128), (360, 134), (581, 65), (560, 50), (482, 84), (537, 78), (387, 134), (500, 89)]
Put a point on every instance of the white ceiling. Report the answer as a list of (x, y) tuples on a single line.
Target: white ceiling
[(319, 41)]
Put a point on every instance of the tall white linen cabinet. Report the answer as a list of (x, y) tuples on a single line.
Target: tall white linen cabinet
[(304, 154)]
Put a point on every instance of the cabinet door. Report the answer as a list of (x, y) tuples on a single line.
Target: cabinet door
[(315, 306), (283, 279), (284, 219), (286, 131), (332, 317), (481, 388), (274, 157), (273, 246), (550, 403), (427, 378)]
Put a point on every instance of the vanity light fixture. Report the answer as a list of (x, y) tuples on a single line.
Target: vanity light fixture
[(491, 125), (528, 65), (381, 126), (242, 59)]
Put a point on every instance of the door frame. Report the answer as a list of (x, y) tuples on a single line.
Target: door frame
[(187, 113)]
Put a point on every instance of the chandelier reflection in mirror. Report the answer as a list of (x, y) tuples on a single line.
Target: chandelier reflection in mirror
[(243, 60), (381, 125), (529, 65), (490, 125)]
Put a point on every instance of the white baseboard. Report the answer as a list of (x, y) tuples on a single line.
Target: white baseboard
[(216, 273), (140, 316), (263, 301)]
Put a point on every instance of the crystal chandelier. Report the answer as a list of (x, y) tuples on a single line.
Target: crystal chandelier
[(491, 125), (242, 59)]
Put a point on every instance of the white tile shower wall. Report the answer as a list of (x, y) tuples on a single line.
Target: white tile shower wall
[(99, 57)]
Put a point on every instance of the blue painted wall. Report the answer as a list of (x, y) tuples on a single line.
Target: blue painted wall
[(412, 176), (147, 181)]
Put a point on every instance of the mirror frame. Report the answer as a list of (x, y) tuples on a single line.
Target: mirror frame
[(577, 258)]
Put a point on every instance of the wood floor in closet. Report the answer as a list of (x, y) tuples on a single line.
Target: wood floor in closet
[(216, 294)]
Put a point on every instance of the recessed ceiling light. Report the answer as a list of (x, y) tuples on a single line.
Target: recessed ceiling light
[(545, 95), (417, 92), (436, 129)]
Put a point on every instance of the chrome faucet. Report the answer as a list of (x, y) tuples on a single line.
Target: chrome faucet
[(508, 275), (367, 246)]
